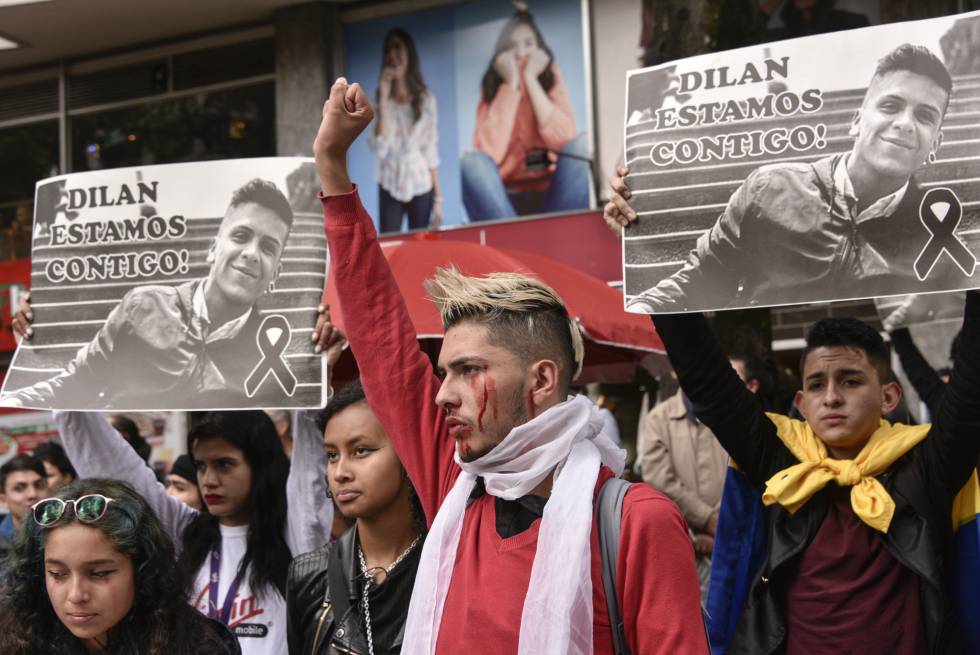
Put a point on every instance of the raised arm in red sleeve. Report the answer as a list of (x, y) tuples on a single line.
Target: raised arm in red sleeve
[(398, 379)]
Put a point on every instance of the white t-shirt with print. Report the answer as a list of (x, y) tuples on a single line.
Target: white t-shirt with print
[(259, 623)]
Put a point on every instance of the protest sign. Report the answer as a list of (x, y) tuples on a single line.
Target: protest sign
[(832, 167), (181, 286)]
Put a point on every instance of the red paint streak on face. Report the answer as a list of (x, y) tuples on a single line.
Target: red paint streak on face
[(490, 389), (530, 403), (483, 406)]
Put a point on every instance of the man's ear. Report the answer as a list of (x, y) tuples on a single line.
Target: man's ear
[(543, 376), (798, 403), (210, 258), (891, 395)]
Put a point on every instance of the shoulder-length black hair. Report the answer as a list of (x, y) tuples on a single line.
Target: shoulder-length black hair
[(266, 550), (413, 70), (492, 80), (160, 622)]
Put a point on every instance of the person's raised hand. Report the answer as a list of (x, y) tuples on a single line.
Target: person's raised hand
[(328, 337), (345, 115), (537, 62), (23, 318), (617, 212), (505, 64)]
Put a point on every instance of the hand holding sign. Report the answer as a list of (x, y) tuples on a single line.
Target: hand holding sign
[(940, 212)]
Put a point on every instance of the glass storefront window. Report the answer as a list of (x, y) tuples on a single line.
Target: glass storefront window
[(217, 125), (28, 153)]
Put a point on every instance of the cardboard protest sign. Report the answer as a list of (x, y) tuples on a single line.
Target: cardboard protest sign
[(182, 286), (832, 167)]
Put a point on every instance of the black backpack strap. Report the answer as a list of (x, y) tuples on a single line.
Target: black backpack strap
[(610, 518)]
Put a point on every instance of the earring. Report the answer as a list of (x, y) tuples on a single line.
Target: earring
[(932, 157), (272, 286)]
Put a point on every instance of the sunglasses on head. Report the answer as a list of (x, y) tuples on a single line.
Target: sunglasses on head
[(88, 509)]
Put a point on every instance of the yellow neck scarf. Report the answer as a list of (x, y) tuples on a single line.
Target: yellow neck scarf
[(793, 486)]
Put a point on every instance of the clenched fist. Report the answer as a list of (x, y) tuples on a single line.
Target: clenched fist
[(345, 115)]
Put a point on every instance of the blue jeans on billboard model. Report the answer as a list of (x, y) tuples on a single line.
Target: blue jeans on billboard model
[(390, 211), (486, 198)]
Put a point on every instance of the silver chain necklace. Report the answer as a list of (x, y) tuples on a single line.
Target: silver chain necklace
[(368, 574)]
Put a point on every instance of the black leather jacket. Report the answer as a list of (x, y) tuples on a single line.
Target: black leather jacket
[(923, 483), (310, 607), (322, 618)]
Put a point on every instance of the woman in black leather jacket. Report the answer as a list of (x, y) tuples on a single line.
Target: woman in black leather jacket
[(352, 595)]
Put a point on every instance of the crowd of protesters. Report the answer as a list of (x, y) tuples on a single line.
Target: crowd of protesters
[(457, 505)]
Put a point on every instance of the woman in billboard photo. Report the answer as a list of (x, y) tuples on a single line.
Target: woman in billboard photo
[(527, 158), (405, 139)]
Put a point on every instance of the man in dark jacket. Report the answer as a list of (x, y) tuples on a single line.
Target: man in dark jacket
[(845, 226), (858, 514)]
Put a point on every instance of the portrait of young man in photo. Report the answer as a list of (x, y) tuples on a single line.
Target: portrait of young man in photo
[(845, 226), (189, 345)]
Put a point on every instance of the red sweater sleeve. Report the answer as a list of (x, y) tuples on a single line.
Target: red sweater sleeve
[(560, 128), (657, 582), (398, 379)]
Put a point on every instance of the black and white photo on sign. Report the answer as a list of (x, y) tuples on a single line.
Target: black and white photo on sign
[(831, 167), (180, 286)]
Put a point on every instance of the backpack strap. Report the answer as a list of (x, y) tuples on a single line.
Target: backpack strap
[(610, 508)]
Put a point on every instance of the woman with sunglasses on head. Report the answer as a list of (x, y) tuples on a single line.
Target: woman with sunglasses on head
[(93, 572), (352, 595), (236, 553)]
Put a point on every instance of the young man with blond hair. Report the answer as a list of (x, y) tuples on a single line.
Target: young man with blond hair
[(506, 464)]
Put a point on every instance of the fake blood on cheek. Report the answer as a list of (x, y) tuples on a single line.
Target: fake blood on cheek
[(489, 400)]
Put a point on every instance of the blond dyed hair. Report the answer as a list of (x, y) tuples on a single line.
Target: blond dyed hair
[(511, 303)]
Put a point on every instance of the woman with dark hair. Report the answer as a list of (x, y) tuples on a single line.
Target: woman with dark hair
[(405, 139), (235, 554), (56, 464), (375, 561), (527, 158), (93, 572)]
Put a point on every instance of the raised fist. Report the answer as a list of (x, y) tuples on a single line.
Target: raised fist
[(345, 115)]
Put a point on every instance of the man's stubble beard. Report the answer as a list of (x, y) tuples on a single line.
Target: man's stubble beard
[(515, 413)]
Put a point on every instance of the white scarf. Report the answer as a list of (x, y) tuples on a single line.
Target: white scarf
[(557, 615)]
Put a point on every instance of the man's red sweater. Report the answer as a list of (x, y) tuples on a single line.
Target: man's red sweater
[(656, 579)]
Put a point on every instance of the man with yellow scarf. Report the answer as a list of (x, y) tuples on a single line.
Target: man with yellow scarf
[(859, 515)]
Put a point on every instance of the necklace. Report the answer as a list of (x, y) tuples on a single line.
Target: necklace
[(369, 574)]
